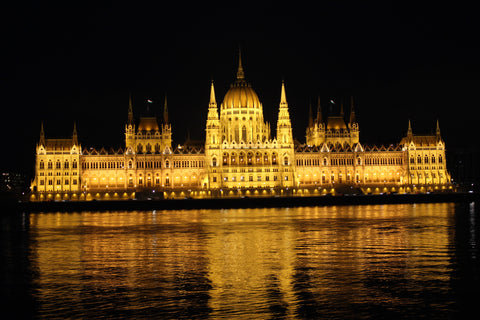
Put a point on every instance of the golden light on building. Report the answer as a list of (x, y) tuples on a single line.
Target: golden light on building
[(239, 156)]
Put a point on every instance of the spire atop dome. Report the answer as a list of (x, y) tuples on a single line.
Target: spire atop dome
[(240, 73)]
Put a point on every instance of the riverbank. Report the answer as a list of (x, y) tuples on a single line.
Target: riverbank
[(226, 203)]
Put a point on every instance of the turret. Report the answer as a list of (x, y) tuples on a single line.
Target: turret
[(284, 126), (213, 123), (166, 127)]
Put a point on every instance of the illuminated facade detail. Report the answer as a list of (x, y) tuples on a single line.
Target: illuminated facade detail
[(57, 167), (334, 130), (240, 157)]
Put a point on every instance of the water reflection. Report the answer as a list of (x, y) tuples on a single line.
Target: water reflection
[(391, 260)]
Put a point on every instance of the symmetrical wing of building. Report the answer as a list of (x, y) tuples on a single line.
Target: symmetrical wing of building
[(240, 157)]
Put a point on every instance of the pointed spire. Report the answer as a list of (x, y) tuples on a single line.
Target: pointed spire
[(319, 112), (130, 109), (310, 115), (341, 108), (240, 73), (283, 96), (213, 102), (437, 131), (74, 135), (352, 111), (42, 135), (409, 131), (165, 110)]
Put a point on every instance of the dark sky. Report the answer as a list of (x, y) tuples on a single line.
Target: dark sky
[(70, 61)]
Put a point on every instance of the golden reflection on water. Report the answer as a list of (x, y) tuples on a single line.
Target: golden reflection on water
[(275, 262)]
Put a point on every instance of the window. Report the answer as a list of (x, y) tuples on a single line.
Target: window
[(66, 166), (214, 179), (74, 181), (214, 162), (42, 182), (285, 161), (259, 178), (42, 165), (66, 181), (167, 164), (57, 165), (50, 165)]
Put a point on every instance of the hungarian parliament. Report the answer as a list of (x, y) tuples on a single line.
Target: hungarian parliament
[(239, 158)]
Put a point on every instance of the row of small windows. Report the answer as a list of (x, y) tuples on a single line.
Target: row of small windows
[(349, 161), (58, 164), (58, 182), (384, 161), (426, 159), (250, 178), (143, 164), (249, 159), (103, 165)]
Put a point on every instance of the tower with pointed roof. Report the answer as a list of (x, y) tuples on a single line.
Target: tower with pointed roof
[(334, 131), (166, 128)]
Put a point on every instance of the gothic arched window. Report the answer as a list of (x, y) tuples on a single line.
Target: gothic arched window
[(244, 134)]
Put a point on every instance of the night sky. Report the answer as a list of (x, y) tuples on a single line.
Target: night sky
[(66, 62)]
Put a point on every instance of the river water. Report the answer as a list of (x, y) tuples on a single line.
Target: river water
[(372, 261)]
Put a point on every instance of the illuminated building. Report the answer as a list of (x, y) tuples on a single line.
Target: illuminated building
[(240, 157)]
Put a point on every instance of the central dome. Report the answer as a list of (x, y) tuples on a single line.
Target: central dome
[(240, 94)]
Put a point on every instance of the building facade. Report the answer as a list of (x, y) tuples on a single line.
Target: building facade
[(240, 157)]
